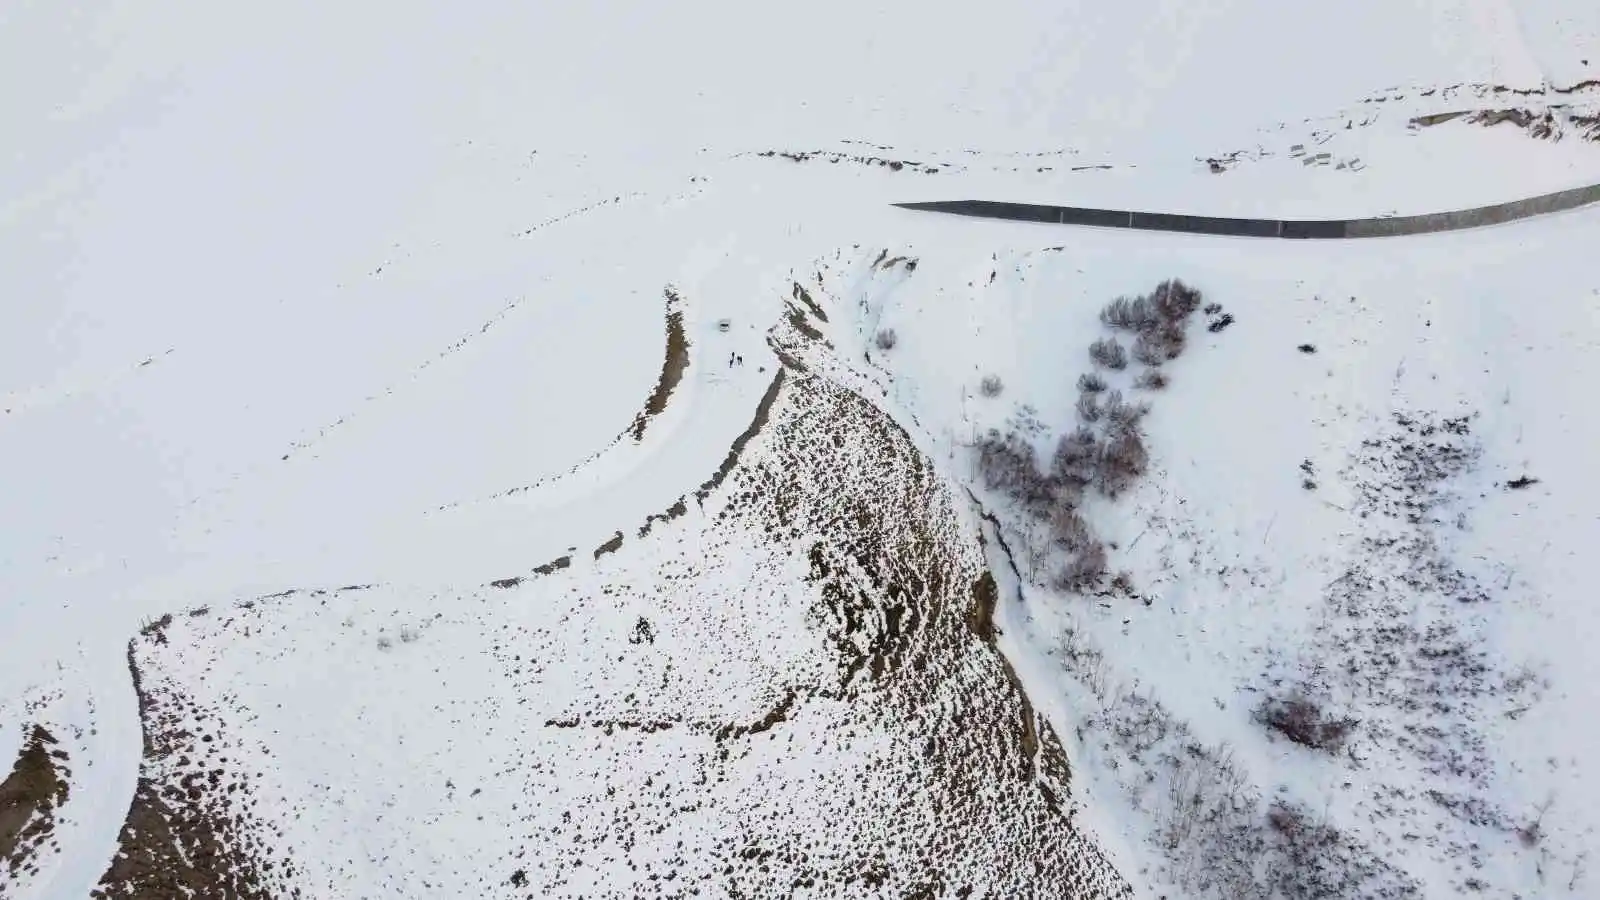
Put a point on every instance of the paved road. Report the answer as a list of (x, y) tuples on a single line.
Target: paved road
[(1270, 228)]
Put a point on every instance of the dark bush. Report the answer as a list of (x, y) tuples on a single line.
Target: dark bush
[(1132, 314), (1151, 380), (1286, 820), (1122, 461), (1304, 722), (1088, 409), (1151, 350), (1122, 414), (1007, 464), (1091, 383), (1160, 345), (1170, 304), (1148, 352), (1068, 530), (1086, 567), (1107, 352), (886, 339), (1076, 457), (991, 386), (1175, 301)]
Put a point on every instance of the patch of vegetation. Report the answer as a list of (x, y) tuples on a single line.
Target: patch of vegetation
[(1105, 452), (1305, 722)]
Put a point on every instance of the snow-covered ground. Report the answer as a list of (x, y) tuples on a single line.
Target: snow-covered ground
[(311, 298)]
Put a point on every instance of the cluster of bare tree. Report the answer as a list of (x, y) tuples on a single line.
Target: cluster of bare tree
[(1106, 451)]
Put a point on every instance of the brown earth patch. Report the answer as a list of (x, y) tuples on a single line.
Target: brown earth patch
[(29, 798), (797, 318), (189, 832), (610, 546), (555, 565), (804, 296), (908, 614), (674, 511), (673, 366), (834, 157), (763, 410), (1543, 125)]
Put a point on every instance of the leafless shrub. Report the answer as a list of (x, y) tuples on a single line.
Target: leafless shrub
[(1151, 380), (1085, 568), (1156, 347), (1176, 339), (1130, 313), (1206, 791), (1068, 530), (1175, 301), (991, 386), (1122, 584), (385, 642), (1123, 460), (1091, 383), (1287, 820), (1122, 415), (1007, 465), (1088, 408), (408, 634), (1169, 305), (886, 339), (1107, 352), (1149, 351), (1076, 457), (1305, 722), (1531, 834)]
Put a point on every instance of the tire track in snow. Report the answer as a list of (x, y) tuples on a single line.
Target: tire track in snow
[(676, 359), (25, 399)]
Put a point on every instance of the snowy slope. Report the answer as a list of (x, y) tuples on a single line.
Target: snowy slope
[(1244, 574), (312, 299)]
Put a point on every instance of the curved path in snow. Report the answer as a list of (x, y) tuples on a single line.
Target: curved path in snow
[(1454, 220)]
